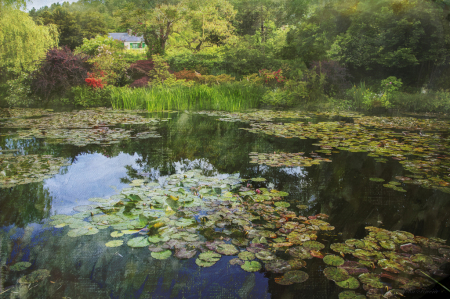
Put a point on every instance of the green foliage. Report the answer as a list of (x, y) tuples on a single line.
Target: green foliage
[(399, 36), (433, 101), (293, 93), (86, 96), (110, 61), (22, 45), (160, 72), (73, 26), (245, 57), (91, 46), (205, 61)]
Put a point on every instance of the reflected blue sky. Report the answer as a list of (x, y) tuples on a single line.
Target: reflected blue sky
[(91, 175)]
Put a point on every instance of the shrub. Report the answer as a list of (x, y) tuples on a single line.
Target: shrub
[(140, 68), (143, 82), (86, 96), (188, 75), (110, 61), (211, 79), (160, 71), (59, 71), (91, 46)]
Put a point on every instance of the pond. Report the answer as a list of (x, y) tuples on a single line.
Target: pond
[(109, 204)]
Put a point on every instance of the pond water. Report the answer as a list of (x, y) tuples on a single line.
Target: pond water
[(345, 192)]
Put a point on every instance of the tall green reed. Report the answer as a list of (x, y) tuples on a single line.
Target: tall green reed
[(229, 97)]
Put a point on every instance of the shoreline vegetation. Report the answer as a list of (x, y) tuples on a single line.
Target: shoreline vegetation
[(368, 57)]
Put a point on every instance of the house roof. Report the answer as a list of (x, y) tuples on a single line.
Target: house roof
[(124, 37)]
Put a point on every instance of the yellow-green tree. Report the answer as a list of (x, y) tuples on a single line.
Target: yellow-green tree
[(22, 45)]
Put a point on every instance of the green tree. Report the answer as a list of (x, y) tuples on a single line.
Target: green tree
[(154, 25), (405, 38), (22, 45), (208, 23)]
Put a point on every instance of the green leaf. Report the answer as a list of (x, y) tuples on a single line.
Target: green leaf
[(138, 242), (162, 255), (115, 243), (251, 266), (333, 260)]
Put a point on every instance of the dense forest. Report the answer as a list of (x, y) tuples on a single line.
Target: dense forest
[(345, 54)]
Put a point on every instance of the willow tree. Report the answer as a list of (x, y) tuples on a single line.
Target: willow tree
[(22, 45)]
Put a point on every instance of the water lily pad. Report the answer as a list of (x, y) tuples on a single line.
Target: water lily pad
[(258, 179), (116, 234), (351, 283), (292, 277), (422, 258), (333, 260), (207, 259), (115, 243), (355, 243), (313, 245), (184, 253), (251, 266), (236, 261), (227, 249), (209, 256), (138, 242), (265, 255), (162, 255), (282, 204), (246, 256), (20, 266), (278, 266), (336, 274), (376, 179), (371, 280)]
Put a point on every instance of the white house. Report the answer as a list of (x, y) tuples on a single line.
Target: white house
[(129, 41)]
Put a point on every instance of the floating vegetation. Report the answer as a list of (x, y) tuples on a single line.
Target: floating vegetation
[(18, 170), (82, 127), (285, 159), (82, 137), (82, 119), (22, 112), (205, 218), (388, 261), (425, 155)]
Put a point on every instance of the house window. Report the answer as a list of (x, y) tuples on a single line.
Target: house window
[(134, 45)]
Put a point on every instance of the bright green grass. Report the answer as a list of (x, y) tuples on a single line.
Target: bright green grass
[(228, 97)]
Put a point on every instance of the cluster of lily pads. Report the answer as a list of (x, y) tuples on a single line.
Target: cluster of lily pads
[(82, 137), (205, 218), (286, 159), (22, 112), (424, 154), (387, 263), (81, 127), (24, 169)]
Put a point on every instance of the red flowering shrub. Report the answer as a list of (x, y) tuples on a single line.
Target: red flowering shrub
[(58, 72), (272, 78), (94, 82)]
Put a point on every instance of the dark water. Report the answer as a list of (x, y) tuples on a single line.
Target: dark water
[(84, 268)]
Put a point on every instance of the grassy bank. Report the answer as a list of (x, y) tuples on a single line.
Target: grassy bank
[(228, 97)]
